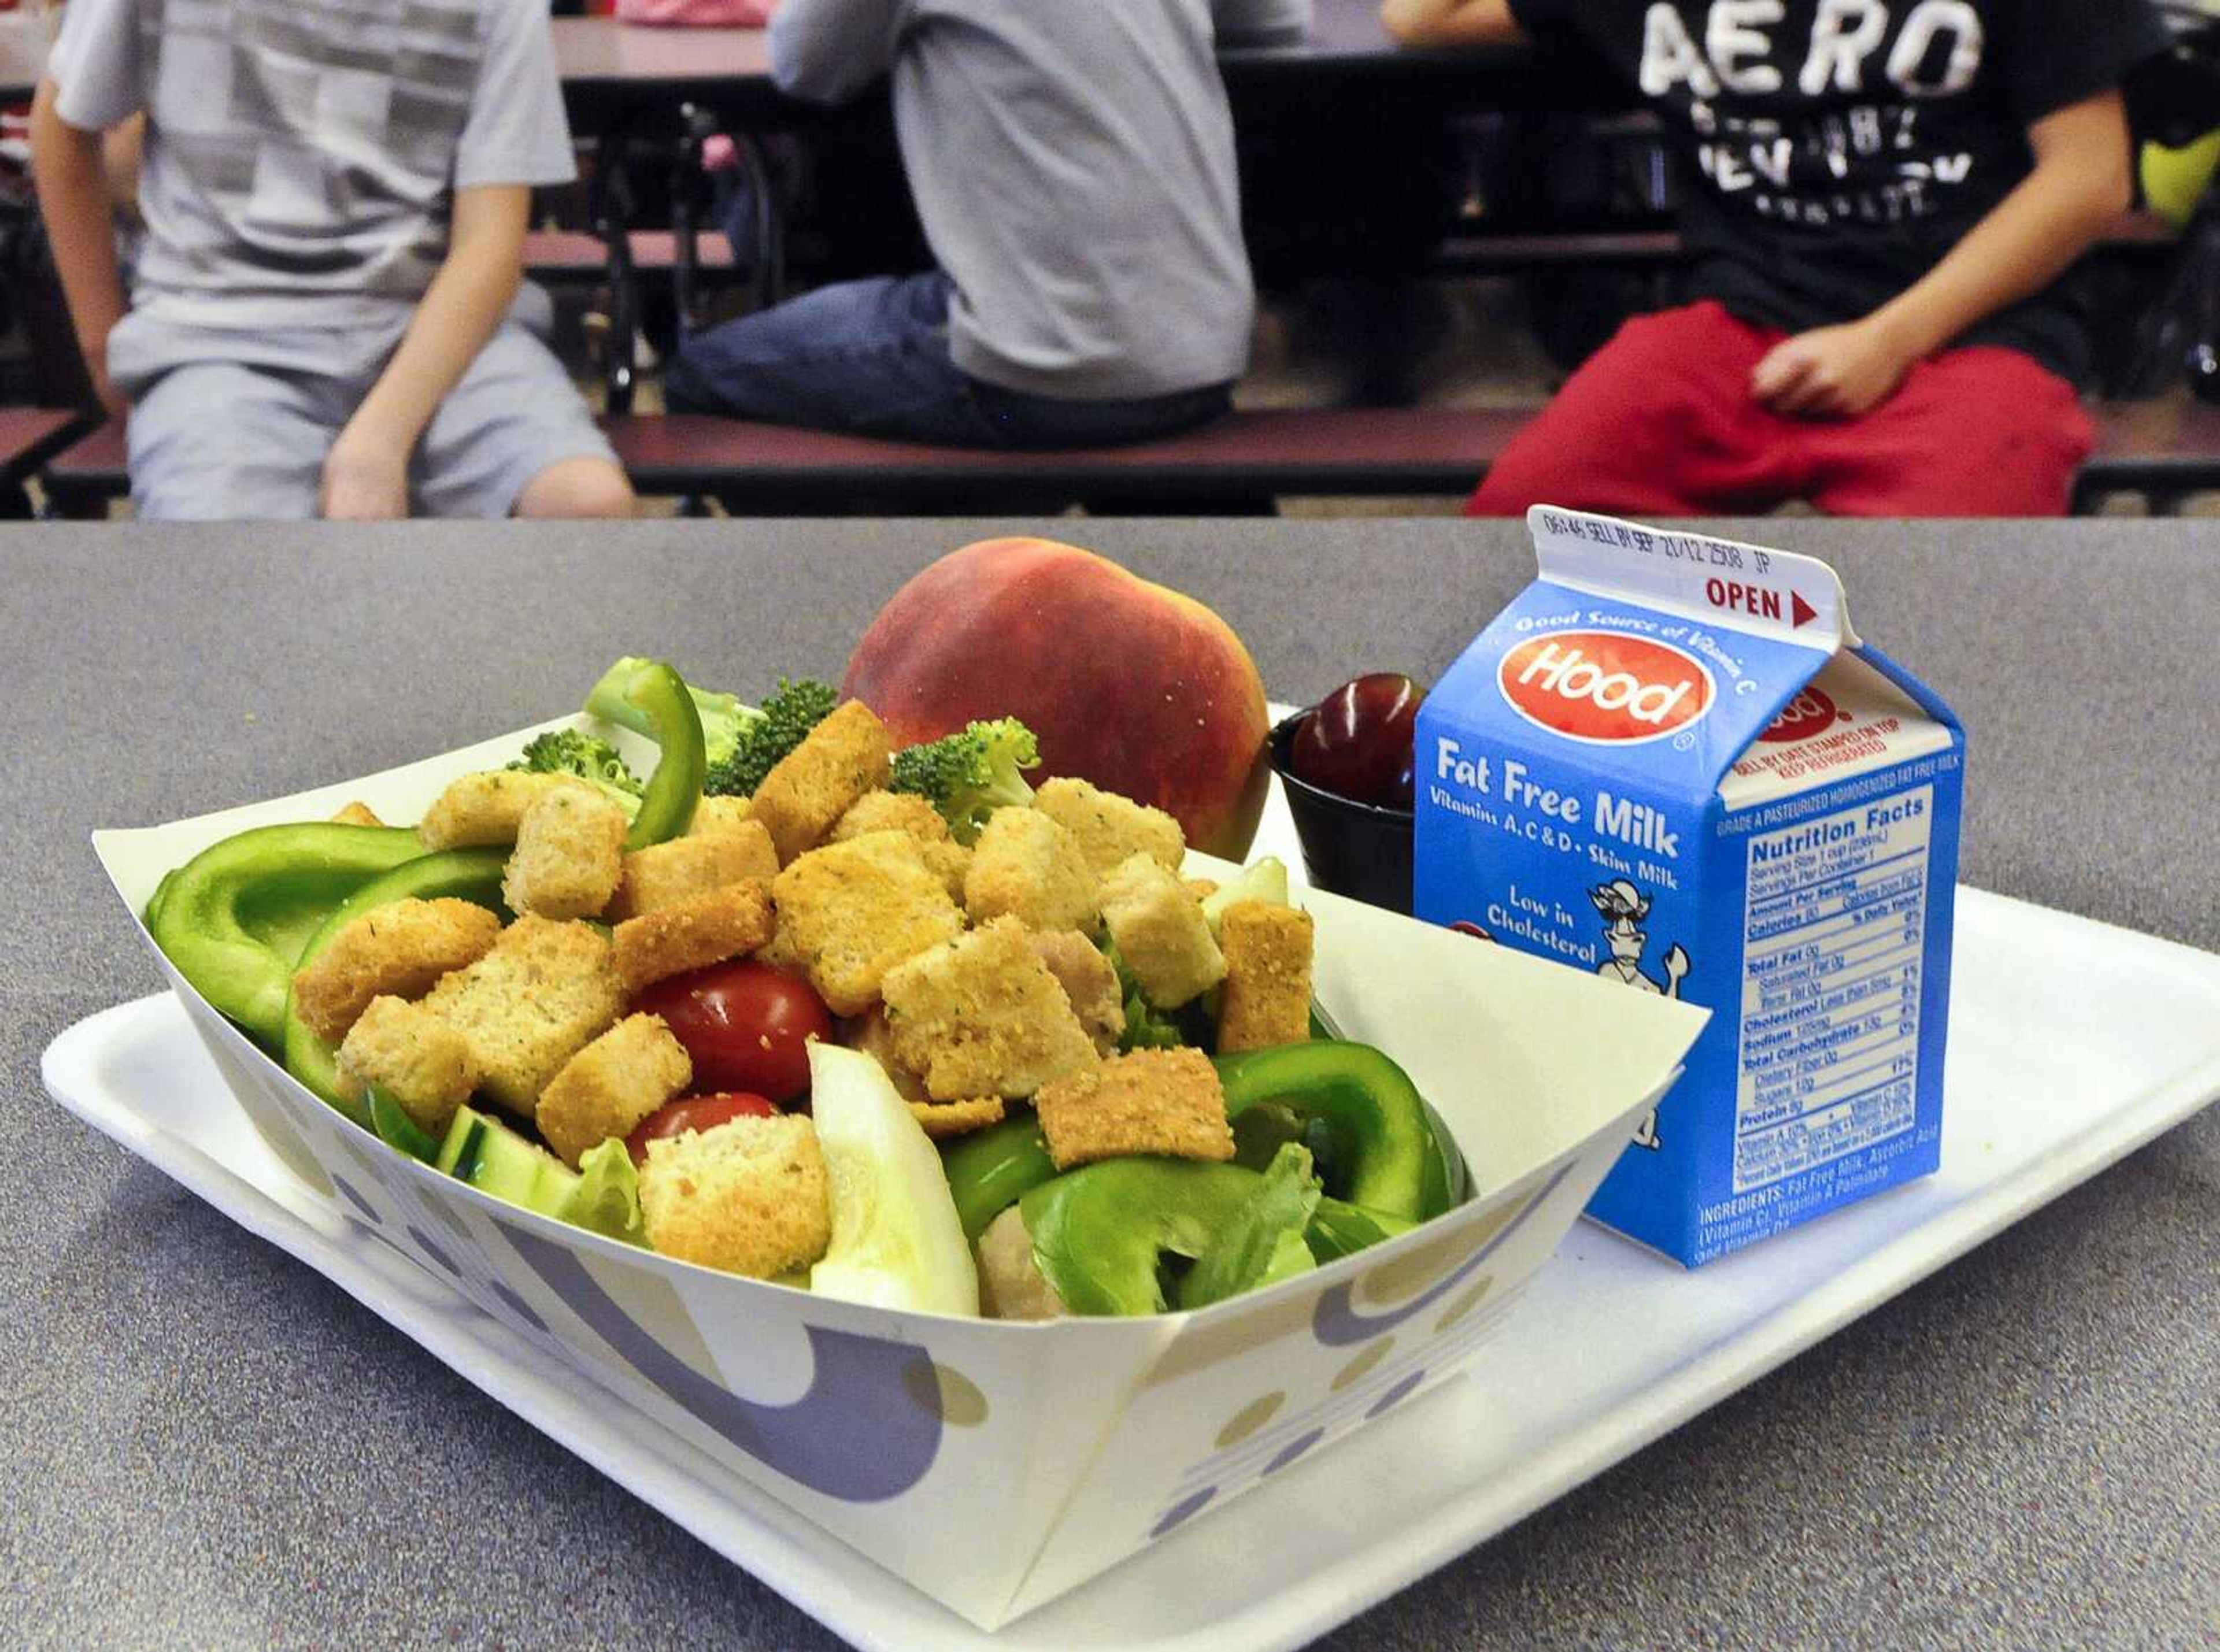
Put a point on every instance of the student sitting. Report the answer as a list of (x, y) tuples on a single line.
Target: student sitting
[(1885, 194), (335, 203), (1072, 162)]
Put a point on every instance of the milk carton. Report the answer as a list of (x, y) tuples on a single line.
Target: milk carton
[(1670, 762)]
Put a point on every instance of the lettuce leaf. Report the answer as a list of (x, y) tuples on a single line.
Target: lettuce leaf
[(607, 1199), (1263, 1242)]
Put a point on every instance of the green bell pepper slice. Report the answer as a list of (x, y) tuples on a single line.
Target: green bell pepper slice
[(1384, 1147), (1100, 1234), (234, 917), (989, 1170), (674, 790), (472, 875)]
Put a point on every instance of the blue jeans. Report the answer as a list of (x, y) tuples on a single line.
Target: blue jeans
[(872, 356)]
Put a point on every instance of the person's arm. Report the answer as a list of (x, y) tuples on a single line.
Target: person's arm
[(826, 51), (1451, 22), (2078, 185), (74, 197), (366, 473)]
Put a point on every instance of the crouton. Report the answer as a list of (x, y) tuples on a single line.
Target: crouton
[(541, 993), (870, 1035), (1026, 866), (1167, 1101), (724, 923), (982, 1015), (1011, 1283), (1109, 827), (357, 813), (810, 788), (903, 812), (399, 949), (942, 1119), (611, 1085), (412, 1055), (482, 810), (891, 812), (854, 910), (1087, 980), (1160, 931), (1267, 998), (782, 950), (569, 854), (667, 873), (716, 814), (751, 1196), (950, 863)]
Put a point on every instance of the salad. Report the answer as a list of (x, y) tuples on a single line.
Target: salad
[(897, 1026)]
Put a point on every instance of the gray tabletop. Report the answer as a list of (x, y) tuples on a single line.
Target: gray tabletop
[(206, 1443)]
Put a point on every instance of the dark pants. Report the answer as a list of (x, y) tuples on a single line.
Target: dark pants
[(872, 357)]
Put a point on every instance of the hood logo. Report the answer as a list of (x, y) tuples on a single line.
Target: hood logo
[(1604, 687), (1810, 712)]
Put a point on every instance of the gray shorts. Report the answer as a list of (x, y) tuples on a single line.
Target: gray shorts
[(234, 425)]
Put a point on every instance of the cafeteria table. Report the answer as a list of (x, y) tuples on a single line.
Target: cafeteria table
[(615, 71), (207, 1443), (22, 55)]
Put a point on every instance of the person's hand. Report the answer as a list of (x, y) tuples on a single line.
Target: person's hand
[(365, 478), (1830, 372)]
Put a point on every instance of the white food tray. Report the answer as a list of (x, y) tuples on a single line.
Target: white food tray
[(2071, 1044)]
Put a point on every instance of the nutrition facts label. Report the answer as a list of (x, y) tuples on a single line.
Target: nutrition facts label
[(1833, 928)]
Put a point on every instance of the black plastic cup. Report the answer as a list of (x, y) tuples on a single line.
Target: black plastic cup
[(1359, 849)]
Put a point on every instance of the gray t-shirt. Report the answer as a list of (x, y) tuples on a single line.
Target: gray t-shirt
[(1072, 161), (301, 156)]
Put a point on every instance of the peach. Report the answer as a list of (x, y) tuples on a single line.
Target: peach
[(1135, 687)]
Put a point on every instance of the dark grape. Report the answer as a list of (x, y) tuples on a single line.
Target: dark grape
[(1356, 742)]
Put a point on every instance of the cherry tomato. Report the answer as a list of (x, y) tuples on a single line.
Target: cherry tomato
[(694, 1112), (746, 1025), (1356, 742)]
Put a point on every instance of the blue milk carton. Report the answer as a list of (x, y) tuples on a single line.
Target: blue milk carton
[(1671, 762)]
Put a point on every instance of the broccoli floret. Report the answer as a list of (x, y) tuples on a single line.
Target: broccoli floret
[(568, 751), (968, 775), (723, 716), (783, 723)]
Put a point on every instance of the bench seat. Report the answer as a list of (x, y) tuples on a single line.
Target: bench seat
[(1238, 460), (2166, 449), (28, 438)]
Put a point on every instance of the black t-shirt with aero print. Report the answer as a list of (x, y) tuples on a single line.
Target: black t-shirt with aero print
[(1841, 147)]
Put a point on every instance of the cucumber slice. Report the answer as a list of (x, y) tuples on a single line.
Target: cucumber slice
[(495, 1159), (396, 1128), (458, 1153), (897, 1242)]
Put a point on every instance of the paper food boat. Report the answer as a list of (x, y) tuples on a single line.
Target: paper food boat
[(995, 1466)]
